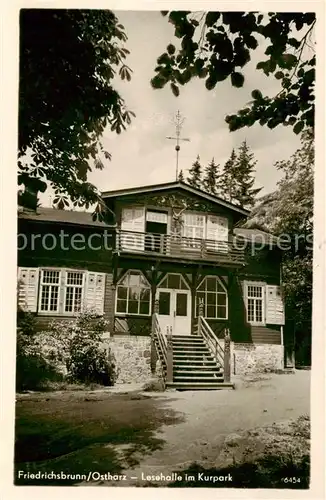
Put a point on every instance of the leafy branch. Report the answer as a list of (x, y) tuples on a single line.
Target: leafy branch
[(226, 42)]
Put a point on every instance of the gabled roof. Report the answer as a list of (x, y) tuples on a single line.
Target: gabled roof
[(46, 214), (173, 185)]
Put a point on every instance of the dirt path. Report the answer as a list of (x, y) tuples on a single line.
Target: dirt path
[(212, 417)]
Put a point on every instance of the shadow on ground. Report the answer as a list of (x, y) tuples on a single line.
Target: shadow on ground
[(268, 472), (75, 434)]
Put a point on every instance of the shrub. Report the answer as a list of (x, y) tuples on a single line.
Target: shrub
[(25, 322), (73, 350), (33, 370), (78, 347)]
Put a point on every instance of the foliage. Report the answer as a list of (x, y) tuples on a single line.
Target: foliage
[(25, 321), (78, 346), (216, 46), (73, 350), (226, 181), (289, 212), (68, 61), (244, 177), (33, 370), (211, 177), (234, 183), (181, 176), (195, 173)]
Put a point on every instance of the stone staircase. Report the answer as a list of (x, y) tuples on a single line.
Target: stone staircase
[(194, 367)]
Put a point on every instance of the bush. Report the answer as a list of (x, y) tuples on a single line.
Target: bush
[(26, 322), (71, 350), (33, 370), (78, 347)]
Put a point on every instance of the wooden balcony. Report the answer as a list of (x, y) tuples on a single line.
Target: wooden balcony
[(178, 247)]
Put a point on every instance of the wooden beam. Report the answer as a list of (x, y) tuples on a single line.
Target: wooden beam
[(115, 260)]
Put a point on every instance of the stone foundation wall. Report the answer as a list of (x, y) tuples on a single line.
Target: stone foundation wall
[(133, 357), (256, 358)]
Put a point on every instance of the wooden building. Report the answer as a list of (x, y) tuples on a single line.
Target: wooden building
[(174, 260)]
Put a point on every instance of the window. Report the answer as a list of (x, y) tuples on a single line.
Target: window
[(132, 228), (255, 303), (66, 291), (174, 281), (49, 296), (133, 294), (214, 295), (193, 230), (74, 291)]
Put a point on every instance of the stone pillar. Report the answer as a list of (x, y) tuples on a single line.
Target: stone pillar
[(169, 355), (227, 355)]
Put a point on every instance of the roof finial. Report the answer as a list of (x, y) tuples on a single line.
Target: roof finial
[(178, 121)]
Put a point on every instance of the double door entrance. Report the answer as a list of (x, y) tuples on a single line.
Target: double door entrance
[(174, 299)]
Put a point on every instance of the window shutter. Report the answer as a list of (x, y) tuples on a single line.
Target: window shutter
[(94, 294), (274, 305), (217, 232), (28, 288)]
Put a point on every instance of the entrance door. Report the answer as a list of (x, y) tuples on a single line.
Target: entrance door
[(174, 305)]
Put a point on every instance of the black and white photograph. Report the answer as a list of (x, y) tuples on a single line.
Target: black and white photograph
[(166, 242)]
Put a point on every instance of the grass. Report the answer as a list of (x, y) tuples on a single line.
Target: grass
[(79, 432)]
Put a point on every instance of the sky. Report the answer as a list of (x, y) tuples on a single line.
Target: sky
[(143, 155)]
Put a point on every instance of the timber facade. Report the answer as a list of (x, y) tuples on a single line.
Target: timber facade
[(171, 253)]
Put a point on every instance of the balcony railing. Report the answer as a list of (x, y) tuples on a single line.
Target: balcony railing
[(176, 246)]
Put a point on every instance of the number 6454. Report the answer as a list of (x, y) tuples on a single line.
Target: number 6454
[(291, 480)]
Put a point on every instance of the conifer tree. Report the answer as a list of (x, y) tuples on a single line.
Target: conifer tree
[(211, 178), (237, 178), (181, 176), (227, 181), (245, 193), (195, 173)]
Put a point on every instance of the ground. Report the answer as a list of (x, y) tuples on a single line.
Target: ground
[(260, 426)]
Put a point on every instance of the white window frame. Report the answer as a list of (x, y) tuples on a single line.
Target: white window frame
[(193, 243), (262, 285), (82, 286), (47, 311), (217, 245), (62, 293), (124, 314), (205, 308)]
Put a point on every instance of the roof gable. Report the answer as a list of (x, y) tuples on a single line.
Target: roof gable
[(170, 187)]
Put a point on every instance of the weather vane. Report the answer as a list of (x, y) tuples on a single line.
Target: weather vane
[(178, 121)]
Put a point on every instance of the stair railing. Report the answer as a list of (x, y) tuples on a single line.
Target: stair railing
[(222, 356), (161, 347), (169, 355)]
